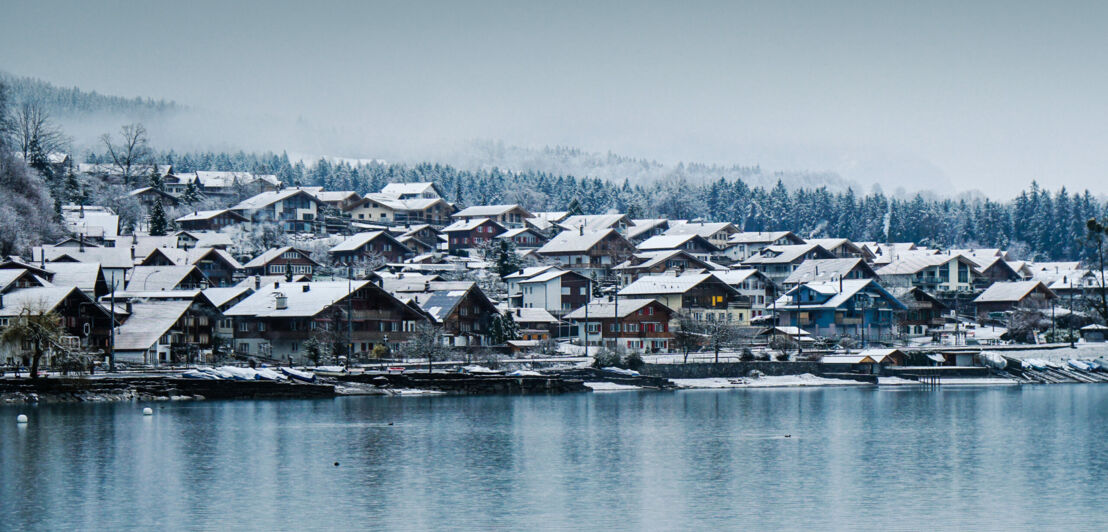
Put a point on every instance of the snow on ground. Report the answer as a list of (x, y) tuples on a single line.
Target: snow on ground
[(611, 387), (782, 381), (896, 381), (977, 381)]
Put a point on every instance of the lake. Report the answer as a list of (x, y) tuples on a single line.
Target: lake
[(890, 458)]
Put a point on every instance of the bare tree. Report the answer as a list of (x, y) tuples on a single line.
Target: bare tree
[(36, 135), (687, 336), (426, 342), (38, 328), (131, 151), (1097, 234)]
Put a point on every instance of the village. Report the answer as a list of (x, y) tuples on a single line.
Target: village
[(303, 276)]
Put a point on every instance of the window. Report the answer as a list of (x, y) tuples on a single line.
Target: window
[(594, 328), (243, 326), (244, 347), (261, 326), (276, 268), (290, 255)]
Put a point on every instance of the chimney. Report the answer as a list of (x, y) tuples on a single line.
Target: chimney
[(129, 307), (427, 286), (519, 313), (276, 284), (81, 241), (1, 300), (282, 301), (257, 282), (581, 229), (306, 287)]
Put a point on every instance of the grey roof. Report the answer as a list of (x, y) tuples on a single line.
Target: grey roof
[(1008, 292), (489, 210), (468, 224), (83, 275), (149, 320), (300, 304), (38, 298), (269, 198), (572, 241), (357, 240), (603, 308), (672, 241), (667, 283), (823, 270), (157, 278)]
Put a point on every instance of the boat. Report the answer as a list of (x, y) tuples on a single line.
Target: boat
[(1051, 364), (297, 375), (239, 374), (266, 374), (1079, 365), (330, 371), (1102, 364), (1035, 364), (992, 359)]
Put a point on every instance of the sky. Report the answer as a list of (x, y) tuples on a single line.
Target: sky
[(942, 95)]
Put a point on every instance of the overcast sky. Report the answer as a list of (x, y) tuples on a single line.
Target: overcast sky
[(986, 96)]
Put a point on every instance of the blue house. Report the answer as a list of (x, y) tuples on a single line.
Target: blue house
[(857, 308)]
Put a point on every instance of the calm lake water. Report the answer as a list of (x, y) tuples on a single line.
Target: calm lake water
[(974, 458)]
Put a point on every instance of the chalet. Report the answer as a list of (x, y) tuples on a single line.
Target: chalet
[(1006, 296), (510, 216), (931, 272), (282, 261), (989, 269), (636, 324), (821, 270), (924, 313), (778, 262), (426, 233), (459, 307), (115, 262), (336, 199), (856, 308), (703, 296), (718, 233), (691, 243), (87, 325), (654, 262), (201, 239), (214, 220), (218, 266), (866, 361), (163, 331), (588, 251), (223, 298), (418, 247), (842, 248), (882, 254), (556, 290), (148, 196), (755, 285), (470, 234), (535, 324), (515, 295), (90, 221), (524, 237), (546, 221), (19, 278), (365, 248), (86, 276), (743, 245), (277, 319), (294, 209)]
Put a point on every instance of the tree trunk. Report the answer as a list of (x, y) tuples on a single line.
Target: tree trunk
[(35, 360)]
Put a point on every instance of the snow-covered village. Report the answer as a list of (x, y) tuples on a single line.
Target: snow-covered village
[(486, 265)]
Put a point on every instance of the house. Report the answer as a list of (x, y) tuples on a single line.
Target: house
[(166, 330), (219, 267), (202, 239), (643, 229), (535, 324), (213, 220), (718, 233), (418, 190), (743, 245), (990, 269), (115, 262), (817, 270), (86, 276), (388, 210), (778, 262), (545, 221), (869, 361), (754, 285), (588, 251), (691, 243), (19, 278), (635, 324), (936, 273), (223, 328), (510, 216), (1006, 296), (924, 313), (221, 183), (365, 248), (1094, 333), (467, 235), (595, 222), (335, 199), (654, 262), (882, 253), (556, 290), (524, 237), (515, 295), (294, 209), (796, 334), (277, 319), (428, 234), (165, 278), (282, 261), (459, 307), (702, 296), (856, 308), (841, 248), (87, 326), (148, 196)]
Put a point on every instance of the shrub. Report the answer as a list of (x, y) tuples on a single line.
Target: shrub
[(606, 358), (633, 361)]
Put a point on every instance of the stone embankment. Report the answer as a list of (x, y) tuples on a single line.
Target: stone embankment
[(75, 390)]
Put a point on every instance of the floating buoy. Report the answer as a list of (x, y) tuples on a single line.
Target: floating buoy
[(21, 418), (336, 464), (148, 411)]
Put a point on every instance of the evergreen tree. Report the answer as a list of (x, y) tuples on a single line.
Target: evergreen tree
[(191, 195), (159, 225), (156, 178)]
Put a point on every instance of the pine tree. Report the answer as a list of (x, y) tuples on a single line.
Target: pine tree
[(159, 226), (191, 194), (156, 178)]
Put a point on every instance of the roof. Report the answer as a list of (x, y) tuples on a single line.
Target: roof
[(107, 257), (469, 224), (593, 222), (704, 229), (673, 241), (736, 277), (196, 216), (667, 283), (912, 262), (547, 276), (511, 233), (156, 278), (83, 275), (840, 293), (273, 254), (649, 259), (320, 295), (1012, 291), (357, 240), (759, 237), (531, 315), (782, 254), (404, 189), (269, 198), (573, 241), (149, 320), (489, 210), (334, 196), (641, 226), (603, 308), (38, 298), (825, 270), (221, 295), (528, 272), (440, 300), (868, 356)]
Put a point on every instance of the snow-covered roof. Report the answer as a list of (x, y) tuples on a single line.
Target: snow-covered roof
[(666, 283), (272, 254), (594, 222), (357, 240), (604, 308), (737, 277), (782, 254), (649, 259), (640, 226), (824, 270), (156, 278), (530, 271), (37, 298), (267, 198), (512, 233), (489, 211), (107, 257), (219, 296), (469, 224), (1011, 291), (547, 276), (405, 189), (759, 237), (673, 241), (531, 315), (573, 241), (148, 321), (320, 295), (197, 216), (912, 262), (840, 293), (83, 275), (704, 229)]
